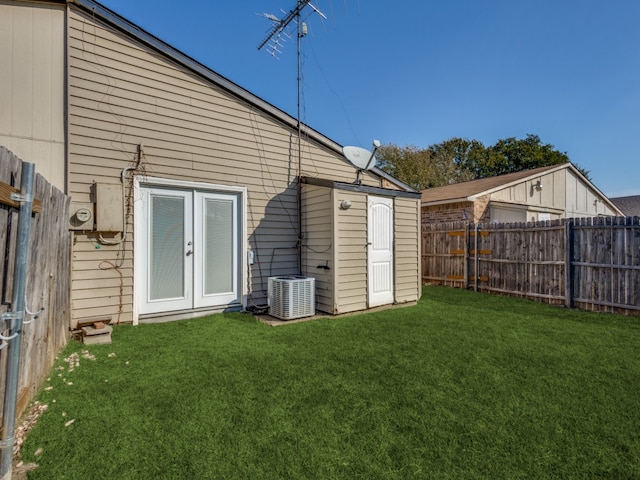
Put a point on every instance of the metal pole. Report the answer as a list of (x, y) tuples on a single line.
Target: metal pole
[(17, 317), (568, 264), (300, 6)]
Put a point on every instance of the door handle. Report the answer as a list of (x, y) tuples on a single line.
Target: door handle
[(189, 252)]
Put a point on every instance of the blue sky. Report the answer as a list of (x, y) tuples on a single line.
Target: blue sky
[(419, 72)]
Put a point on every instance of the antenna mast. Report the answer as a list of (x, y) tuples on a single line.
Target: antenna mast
[(275, 40)]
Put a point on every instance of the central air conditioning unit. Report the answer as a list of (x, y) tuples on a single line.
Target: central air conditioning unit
[(291, 297)]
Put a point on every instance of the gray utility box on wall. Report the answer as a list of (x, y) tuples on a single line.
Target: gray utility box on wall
[(291, 297), (109, 207)]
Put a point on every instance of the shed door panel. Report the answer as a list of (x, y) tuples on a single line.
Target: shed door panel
[(380, 251)]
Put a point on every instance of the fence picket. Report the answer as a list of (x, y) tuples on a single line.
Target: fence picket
[(48, 279), (589, 263)]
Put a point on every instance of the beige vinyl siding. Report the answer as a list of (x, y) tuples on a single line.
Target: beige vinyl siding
[(582, 200), (351, 252), (552, 194), (102, 280), (122, 94), (32, 80), (407, 250), (318, 244), (562, 191)]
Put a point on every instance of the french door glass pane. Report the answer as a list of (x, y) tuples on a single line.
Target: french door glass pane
[(167, 254), (218, 253)]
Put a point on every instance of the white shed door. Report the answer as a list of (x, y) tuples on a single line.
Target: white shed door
[(380, 251)]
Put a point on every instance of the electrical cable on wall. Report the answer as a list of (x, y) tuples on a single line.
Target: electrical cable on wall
[(137, 167)]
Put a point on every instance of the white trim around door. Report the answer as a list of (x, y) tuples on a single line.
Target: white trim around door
[(189, 247)]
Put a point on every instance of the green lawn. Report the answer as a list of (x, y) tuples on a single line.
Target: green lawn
[(461, 386)]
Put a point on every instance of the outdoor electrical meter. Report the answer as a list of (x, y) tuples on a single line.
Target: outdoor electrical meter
[(81, 217)]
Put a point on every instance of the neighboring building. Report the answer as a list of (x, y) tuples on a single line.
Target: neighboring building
[(185, 187), (630, 206), (546, 193)]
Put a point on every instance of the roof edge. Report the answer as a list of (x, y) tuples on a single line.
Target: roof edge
[(611, 205), (114, 19), (555, 168), (355, 187), (121, 23), (399, 183)]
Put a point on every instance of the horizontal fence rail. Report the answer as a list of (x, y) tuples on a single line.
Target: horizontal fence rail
[(588, 263)]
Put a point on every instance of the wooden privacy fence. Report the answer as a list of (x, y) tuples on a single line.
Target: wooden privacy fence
[(588, 263), (48, 276)]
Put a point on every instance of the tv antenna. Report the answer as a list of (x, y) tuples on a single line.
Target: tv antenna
[(278, 35), (275, 39)]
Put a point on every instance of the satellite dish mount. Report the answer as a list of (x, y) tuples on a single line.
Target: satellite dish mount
[(361, 158)]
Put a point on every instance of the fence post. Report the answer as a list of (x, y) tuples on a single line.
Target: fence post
[(16, 317), (568, 262), (476, 258), (466, 256)]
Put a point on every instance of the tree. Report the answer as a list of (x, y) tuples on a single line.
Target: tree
[(455, 160), (437, 165), (410, 164), (512, 155), (458, 160)]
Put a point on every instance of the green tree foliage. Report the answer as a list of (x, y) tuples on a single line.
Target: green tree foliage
[(455, 160), (410, 164), (459, 160), (513, 155)]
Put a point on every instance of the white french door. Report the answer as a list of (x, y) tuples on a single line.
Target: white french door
[(216, 266), (380, 252), (189, 243)]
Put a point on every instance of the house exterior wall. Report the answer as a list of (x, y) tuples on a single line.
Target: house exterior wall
[(387, 184), (507, 213), (481, 210), (551, 195), (32, 78), (123, 95), (583, 201), (351, 252), (318, 243), (563, 195), (408, 276), (448, 212)]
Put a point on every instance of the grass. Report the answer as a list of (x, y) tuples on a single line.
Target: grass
[(461, 386)]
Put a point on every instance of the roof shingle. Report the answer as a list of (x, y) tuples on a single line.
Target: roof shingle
[(630, 205), (467, 189)]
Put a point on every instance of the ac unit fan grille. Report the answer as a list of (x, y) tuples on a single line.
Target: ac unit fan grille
[(291, 297)]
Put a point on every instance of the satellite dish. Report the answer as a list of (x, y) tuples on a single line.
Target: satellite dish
[(362, 158)]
